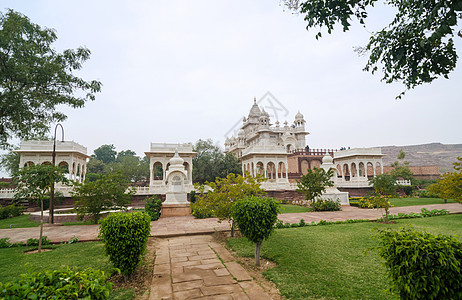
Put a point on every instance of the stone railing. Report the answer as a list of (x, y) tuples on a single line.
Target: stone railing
[(6, 193), (315, 152), (403, 182)]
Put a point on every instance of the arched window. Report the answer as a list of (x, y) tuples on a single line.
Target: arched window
[(378, 168), (370, 170), (29, 163), (271, 171), (346, 172), (339, 171), (353, 170), (260, 169), (362, 172), (282, 170), (158, 171), (64, 166)]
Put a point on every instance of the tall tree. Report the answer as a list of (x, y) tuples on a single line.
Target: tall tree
[(124, 153), (9, 162), (210, 162), (384, 184), (130, 166), (95, 166), (415, 48), (34, 183), (35, 79), (218, 197), (111, 191), (449, 186), (105, 153), (314, 183), (401, 168)]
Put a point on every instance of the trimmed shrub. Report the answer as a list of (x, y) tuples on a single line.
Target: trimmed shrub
[(58, 284), (125, 236), (11, 211), (255, 217), (325, 205), (153, 207), (422, 265)]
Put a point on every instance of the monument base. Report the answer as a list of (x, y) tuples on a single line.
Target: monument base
[(175, 210), (333, 193)]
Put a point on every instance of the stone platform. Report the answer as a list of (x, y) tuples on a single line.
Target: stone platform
[(175, 210)]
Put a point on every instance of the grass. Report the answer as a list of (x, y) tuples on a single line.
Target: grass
[(399, 202), (325, 262), (288, 208), (23, 222), (82, 255), (19, 222)]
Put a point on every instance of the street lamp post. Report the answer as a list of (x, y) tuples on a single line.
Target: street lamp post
[(52, 193)]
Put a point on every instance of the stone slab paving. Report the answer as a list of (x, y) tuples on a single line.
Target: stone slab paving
[(180, 226), (196, 267)]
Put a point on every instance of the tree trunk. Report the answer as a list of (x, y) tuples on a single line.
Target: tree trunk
[(257, 253), (386, 215), (41, 226), (232, 228)]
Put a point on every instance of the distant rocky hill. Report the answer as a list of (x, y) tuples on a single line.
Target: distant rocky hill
[(424, 155)]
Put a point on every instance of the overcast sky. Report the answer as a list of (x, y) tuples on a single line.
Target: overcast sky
[(179, 71)]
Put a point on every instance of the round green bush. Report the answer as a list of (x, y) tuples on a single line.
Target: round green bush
[(255, 217), (125, 236), (422, 265)]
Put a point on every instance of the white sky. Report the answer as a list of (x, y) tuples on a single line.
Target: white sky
[(177, 71)]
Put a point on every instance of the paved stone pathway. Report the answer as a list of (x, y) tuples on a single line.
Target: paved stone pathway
[(196, 267), (180, 226)]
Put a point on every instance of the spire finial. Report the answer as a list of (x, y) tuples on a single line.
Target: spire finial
[(254, 100)]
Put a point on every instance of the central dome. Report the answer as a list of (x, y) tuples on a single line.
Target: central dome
[(176, 159), (327, 159)]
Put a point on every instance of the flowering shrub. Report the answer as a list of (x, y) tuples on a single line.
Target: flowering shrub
[(153, 207), (326, 205)]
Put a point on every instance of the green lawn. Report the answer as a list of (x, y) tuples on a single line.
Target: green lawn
[(288, 208), (328, 262), (398, 202), (83, 255), (18, 222)]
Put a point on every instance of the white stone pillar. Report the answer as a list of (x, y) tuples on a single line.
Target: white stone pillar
[(151, 172)]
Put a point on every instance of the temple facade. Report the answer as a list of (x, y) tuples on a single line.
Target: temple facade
[(263, 147), (70, 156), (281, 155)]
